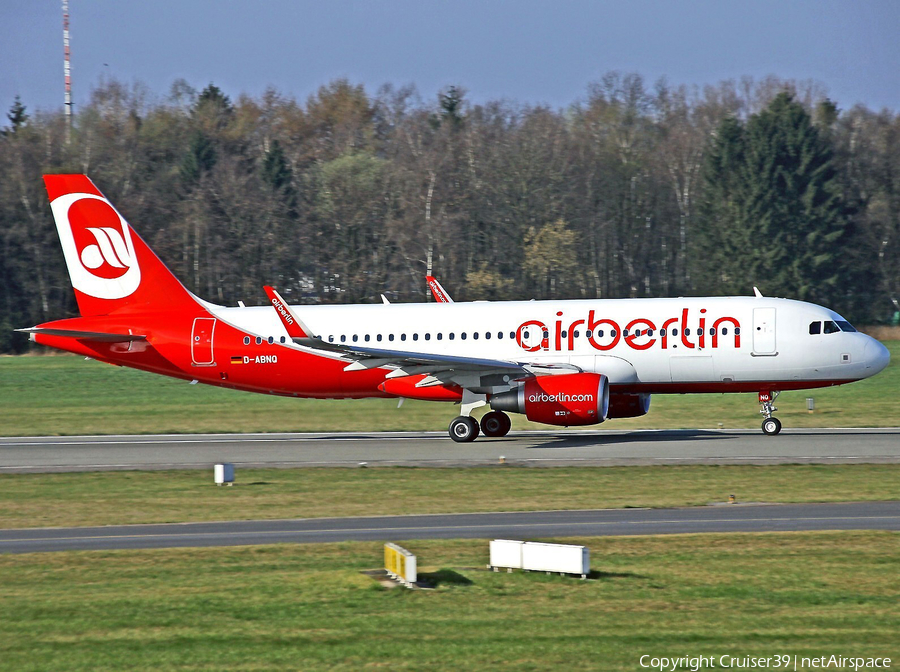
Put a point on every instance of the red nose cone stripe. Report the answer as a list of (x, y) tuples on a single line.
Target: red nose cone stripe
[(58, 185)]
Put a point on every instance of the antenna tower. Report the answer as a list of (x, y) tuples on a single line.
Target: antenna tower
[(67, 70)]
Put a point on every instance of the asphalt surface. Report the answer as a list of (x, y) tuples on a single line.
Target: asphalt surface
[(524, 525), (435, 449)]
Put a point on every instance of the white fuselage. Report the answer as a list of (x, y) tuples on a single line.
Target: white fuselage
[(744, 339)]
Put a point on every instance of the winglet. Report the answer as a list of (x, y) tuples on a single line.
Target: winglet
[(757, 293), (440, 294), (295, 328)]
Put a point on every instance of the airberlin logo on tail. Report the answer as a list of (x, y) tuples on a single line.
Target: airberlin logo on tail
[(97, 245)]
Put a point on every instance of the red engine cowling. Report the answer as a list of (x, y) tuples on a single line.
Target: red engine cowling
[(572, 399), (628, 405)]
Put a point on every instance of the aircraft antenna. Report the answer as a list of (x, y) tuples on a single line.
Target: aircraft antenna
[(67, 70)]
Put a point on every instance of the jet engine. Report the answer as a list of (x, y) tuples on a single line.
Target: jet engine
[(628, 405), (567, 400)]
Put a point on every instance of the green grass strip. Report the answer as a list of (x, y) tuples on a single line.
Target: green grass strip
[(64, 395), (113, 498), (309, 608)]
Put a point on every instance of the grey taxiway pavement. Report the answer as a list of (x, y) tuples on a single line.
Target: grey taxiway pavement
[(524, 525), (588, 447)]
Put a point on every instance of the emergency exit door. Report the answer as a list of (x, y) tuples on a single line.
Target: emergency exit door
[(202, 341), (764, 331)]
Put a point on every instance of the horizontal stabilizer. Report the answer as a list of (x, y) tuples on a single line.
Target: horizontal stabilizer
[(96, 336)]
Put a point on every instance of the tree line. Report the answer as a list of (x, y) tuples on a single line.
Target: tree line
[(636, 190)]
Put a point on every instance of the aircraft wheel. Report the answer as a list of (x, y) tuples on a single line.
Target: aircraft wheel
[(463, 429), (495, 423), (771, 426)]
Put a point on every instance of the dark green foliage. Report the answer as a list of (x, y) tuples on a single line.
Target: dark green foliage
[(773, 214), (199, 158), (17, 116)]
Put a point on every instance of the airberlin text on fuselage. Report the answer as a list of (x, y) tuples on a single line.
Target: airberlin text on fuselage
[(640, 333)]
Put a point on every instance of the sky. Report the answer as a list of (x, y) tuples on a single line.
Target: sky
[(528, 51)]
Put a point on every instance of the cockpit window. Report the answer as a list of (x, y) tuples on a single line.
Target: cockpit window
[(831, 327), (845, 326), (815, 328)]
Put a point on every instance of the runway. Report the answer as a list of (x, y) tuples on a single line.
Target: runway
[(435, 449), (523, 525)]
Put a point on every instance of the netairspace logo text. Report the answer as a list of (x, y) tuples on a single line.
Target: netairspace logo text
[(780, 661)]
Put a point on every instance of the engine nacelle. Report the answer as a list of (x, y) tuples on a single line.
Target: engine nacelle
[(628, 405), (567, 400)]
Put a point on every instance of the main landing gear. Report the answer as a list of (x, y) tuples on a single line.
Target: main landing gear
[(464, 429), (770, 425)]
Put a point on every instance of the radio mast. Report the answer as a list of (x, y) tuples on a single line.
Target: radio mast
[(67, 70)]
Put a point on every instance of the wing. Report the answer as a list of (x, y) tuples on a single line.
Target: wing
[(473, 373)]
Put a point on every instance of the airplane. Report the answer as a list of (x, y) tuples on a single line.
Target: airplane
[(561, 363)]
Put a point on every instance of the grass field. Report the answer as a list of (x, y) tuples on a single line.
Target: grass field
[(309, 608), (48, 395), (107, 498)]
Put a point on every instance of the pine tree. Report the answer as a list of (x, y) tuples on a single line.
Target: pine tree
[(17, 116), (773, 215)]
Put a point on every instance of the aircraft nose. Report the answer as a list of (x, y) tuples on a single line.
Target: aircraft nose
[(876, 355)]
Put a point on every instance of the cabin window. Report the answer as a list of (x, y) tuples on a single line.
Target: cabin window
[(343, 338), (427, 337), (355, 338), (415, 337), (463, 335), (815, 328), (575, 334), (378, 337), (674, 332), (737, 331), (563, 334), (500, 334), (331, 338), (402, 337), (546, 334), (487, 335), (440, 336), (282, 339), (612, 333), (846, 326), (475, 335), (246, 340), (452, 336), (625, 332), (588, 333), (831, 327), (271, 340), (512, 335), (258, 340), (725, 331), (687, 331), (650, 333), (524, 335), (662, 332), (712, 331)]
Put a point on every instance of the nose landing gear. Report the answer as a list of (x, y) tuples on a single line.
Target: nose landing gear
[(770, 425)]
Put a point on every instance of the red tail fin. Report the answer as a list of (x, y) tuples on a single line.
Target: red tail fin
[(110, 267)]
